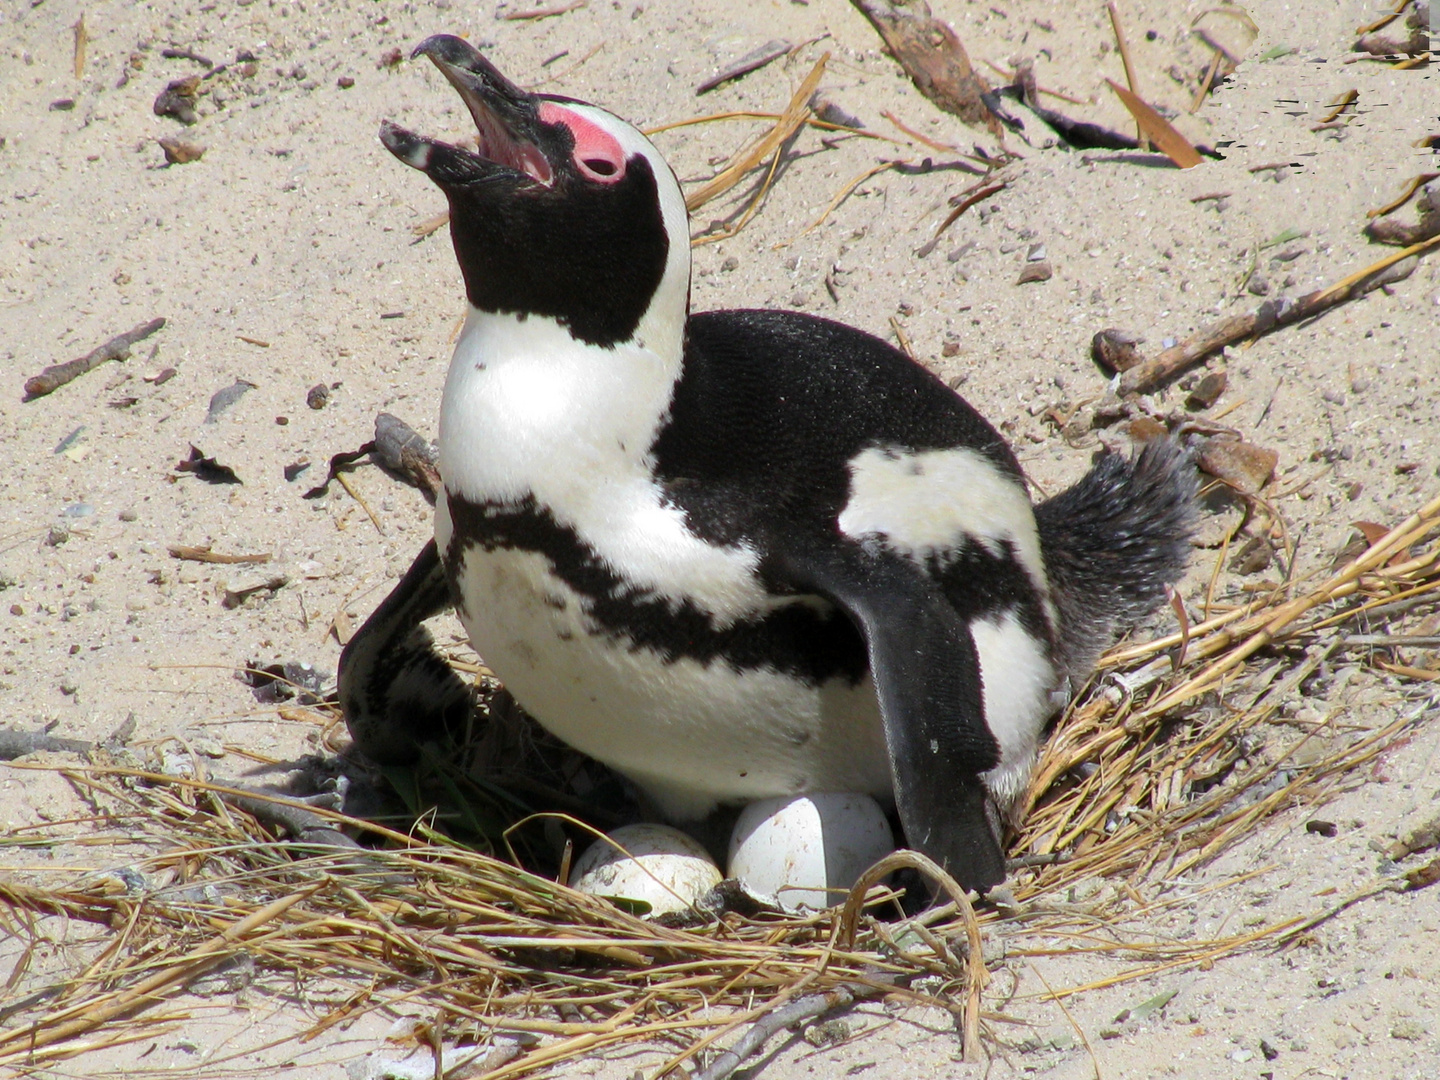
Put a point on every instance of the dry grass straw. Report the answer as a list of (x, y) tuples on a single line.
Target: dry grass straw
[(770, 145), (1141, 782), (1147, 741)]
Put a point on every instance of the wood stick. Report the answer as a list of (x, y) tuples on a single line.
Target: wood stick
[(14, 744), (536, 14), (1130, 79), (1150, 374), (752, 61), (400, 448), (1205, 83), (205, 555), (117, 348), (932, 55), (806, 1008)]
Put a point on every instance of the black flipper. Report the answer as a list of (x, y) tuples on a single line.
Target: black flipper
[(395, 690), (927, 677)]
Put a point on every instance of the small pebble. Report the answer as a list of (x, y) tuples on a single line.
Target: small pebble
[(826, 1032), (1035, 271), (730, 263), (1258, 285), (318, 396), (180, 151), (1116, 350), (1208, 390), (345, 82), (1323, 828), (1242, 1055), (16, 609), (1408, 1028), (63, 104), (127, 515), (1334, 397)]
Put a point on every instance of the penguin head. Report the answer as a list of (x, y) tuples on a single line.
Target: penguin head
[(562, 210)]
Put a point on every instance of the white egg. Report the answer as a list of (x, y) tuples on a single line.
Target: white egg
[(808, 849), (664, 867)]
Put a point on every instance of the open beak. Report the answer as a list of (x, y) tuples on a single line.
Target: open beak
[(507, 121)]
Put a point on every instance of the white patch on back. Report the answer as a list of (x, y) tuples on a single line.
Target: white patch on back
[(924, 503), (1017, 677)]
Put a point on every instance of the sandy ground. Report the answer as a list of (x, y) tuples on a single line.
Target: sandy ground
[(285, 258)]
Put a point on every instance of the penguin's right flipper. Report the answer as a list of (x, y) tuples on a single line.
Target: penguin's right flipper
[(396, 692), (927, 677)]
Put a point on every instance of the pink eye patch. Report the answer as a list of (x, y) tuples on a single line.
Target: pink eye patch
[(597, 154)]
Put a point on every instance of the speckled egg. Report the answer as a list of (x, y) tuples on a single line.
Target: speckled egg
[(665, 868), (797, 847)]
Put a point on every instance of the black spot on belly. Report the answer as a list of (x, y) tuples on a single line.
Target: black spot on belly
[(799, 639)]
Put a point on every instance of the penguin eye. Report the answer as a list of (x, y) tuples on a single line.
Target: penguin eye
[(598, 155)]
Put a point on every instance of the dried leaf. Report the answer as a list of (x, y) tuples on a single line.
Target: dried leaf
[(932, 55), (1244, 466), (1157, 129), (1372, 532), (207, 469)]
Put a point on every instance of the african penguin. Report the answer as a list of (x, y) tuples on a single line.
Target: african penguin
[(735, 554)]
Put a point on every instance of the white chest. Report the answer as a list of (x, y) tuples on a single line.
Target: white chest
[(530, 417)]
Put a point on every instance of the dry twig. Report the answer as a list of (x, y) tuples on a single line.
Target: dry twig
[(1268, 317), (117, 348)]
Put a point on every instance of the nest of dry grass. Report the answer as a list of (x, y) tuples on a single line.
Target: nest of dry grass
[(1168, 756)]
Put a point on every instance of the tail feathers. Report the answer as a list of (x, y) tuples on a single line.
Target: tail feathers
[(1113, 542)]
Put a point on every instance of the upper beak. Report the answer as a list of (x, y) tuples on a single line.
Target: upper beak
[(506, 118)]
